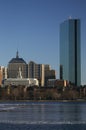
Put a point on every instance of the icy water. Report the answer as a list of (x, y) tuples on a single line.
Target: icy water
[(43, 116)]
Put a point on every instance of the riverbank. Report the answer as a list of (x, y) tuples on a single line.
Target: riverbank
[(40, 101)]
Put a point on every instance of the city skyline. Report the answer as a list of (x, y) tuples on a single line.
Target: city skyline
[(32, 27)]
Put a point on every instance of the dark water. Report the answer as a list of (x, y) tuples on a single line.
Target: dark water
[(43, 116), (42, 127)]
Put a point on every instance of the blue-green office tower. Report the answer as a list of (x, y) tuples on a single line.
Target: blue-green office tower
[(70, 51)]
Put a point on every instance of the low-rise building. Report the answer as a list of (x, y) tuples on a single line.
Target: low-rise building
[(57, 83), (3, 73), (21, 81)]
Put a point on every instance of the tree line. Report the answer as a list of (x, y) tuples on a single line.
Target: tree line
[(42, 93)]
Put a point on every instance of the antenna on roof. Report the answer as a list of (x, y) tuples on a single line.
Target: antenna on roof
[(17, 54)]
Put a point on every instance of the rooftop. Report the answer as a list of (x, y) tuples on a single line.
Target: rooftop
[(17, 59)]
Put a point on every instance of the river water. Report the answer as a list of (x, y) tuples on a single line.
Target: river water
[(43, 116)]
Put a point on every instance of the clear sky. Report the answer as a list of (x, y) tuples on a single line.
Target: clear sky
[(32, 27)]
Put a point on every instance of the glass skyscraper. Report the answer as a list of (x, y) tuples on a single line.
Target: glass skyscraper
[(70, 51)]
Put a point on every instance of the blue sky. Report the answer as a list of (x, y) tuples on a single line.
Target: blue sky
[(32, 27)]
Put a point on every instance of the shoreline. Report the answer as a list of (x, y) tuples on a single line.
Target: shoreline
[(40, 101)]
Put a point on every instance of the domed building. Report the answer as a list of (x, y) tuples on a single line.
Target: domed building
[(14, 65)]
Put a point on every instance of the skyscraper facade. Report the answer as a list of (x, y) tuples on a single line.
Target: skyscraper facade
[(70, 51), (36, 71), (14, 65)]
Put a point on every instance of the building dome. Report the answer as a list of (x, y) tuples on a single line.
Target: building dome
[(17, 59)]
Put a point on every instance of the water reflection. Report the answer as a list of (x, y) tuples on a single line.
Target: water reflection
[(45, 112), (70, 112)]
